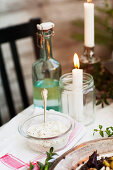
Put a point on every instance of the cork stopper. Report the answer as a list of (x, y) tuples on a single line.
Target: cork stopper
[(45, 26)]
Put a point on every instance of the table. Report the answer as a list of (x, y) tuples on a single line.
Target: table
[(9, 133)]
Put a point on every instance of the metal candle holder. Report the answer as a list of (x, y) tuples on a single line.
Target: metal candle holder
[(89, 56)]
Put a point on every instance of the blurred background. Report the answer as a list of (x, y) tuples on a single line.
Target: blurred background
[(68, 18)]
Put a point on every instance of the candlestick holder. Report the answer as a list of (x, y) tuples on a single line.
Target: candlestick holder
[(89, 56), (70, 106)]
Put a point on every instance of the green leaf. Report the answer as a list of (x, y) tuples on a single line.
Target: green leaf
[(31, 166), (106, 102), (41, 165), (48, 155), (46, 167), (110, 135), (54, 154), (98, 102), (47, 159), (47, 164), (102, 105), (100, 126), (93, 133), (108, 131), (51, 150), (101, 133)]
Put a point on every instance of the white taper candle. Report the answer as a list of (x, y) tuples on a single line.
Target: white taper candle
[(89, 24), (77, 78)]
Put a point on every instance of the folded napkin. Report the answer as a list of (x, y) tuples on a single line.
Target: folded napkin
[(15, 154)]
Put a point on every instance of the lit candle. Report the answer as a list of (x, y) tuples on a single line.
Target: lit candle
[(89, 24), (77, 78)]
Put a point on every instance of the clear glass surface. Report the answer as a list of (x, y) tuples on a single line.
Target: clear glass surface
[(68, 103)]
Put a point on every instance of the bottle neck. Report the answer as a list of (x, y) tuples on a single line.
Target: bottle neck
[(46, 46)]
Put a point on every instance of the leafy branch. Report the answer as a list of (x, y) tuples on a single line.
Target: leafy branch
[(103, 82), (108, 131), (47, 164)]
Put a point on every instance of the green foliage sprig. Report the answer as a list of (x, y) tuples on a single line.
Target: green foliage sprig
[(103, 82), (108, 131), (106, 22), (31, 166), (47, 164)]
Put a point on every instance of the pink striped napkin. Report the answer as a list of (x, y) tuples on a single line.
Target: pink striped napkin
[(12, 162)]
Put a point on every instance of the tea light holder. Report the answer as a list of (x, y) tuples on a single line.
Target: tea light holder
[(68, 105)]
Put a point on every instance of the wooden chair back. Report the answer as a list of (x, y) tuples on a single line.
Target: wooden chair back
[(10, 35)]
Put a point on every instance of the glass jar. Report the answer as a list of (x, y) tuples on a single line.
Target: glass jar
[(70, 106)]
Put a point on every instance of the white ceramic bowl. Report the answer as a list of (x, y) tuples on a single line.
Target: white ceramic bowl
[(74, 157)]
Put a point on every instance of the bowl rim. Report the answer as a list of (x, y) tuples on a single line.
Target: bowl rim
[(82, 145), (21, 124)]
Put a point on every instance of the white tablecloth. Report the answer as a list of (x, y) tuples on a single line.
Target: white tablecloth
[(9, 134), (103, 116)]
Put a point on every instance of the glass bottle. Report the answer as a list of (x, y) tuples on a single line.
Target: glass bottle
[(46, 71)]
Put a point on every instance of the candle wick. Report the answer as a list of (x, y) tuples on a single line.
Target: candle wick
[(77, 67)]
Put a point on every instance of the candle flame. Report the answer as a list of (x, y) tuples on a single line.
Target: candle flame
[(76, 61), (89, 1)]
